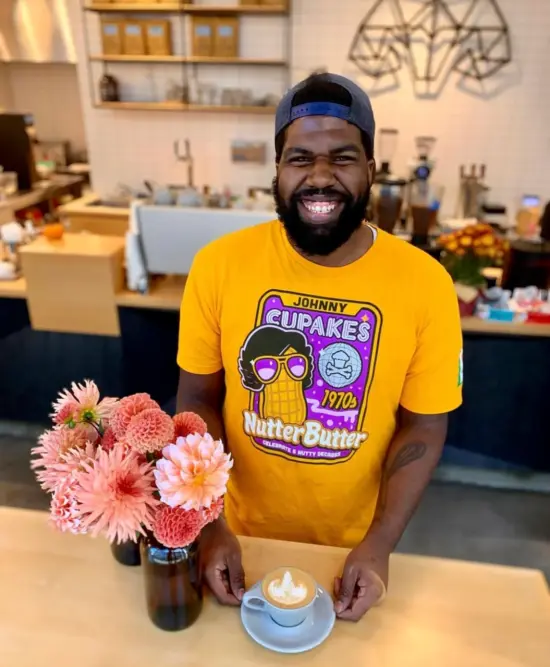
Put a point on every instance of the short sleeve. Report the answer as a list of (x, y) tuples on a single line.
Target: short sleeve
[(433, 384), (199, 331)]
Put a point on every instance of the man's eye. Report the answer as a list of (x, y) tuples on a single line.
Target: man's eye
[(299, 159), (344, 158)]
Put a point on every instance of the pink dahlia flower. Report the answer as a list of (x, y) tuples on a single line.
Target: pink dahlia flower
[(116, 495), (108, 441), (52, 454), (193, 473), (213, 512), (64, 511), (175, 527), (149, 431), (187, 423), (67, 415), (83, 402), (127, 408)]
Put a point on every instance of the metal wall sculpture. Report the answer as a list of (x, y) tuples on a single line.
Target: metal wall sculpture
[(452, 33)]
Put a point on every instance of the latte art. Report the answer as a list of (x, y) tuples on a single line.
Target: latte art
[(286, 592), (289, 588)]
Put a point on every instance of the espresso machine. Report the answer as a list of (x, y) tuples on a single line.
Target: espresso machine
[(388, 189)]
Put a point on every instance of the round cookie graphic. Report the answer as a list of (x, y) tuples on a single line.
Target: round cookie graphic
[(339, 365)]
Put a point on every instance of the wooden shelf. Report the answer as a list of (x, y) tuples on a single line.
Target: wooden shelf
[(133, 7), (180, 106), (263, 111), (187, 9), (188, 59), (236, 9)]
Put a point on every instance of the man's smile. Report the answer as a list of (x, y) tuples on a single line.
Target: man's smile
[(320, 209)]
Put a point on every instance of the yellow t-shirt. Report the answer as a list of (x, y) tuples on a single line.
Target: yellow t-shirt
[(317, 361)]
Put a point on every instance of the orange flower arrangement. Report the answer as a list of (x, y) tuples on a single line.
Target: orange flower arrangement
[(468, 251)]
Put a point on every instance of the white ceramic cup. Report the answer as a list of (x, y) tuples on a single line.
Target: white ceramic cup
[(288, 618)]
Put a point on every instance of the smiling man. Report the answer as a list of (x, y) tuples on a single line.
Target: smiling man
[(324, 352)]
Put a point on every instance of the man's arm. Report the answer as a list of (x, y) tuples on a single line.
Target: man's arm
[(203, 395), (431, 389), (220, 549), (411, 458)]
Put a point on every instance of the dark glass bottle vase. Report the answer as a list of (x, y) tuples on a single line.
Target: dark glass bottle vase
[(126, 553), (172, 584)]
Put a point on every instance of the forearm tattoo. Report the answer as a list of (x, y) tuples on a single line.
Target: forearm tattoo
[(409, 453)]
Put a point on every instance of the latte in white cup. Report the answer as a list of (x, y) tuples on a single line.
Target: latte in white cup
[(286, 594)]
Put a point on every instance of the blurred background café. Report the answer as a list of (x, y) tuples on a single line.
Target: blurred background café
[(133, 133)]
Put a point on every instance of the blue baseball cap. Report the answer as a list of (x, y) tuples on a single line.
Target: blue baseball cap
[(358, 113)]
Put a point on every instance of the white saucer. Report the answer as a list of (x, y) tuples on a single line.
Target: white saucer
[(309, 634)]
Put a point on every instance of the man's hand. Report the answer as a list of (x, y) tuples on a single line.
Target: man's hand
[(221, 564), (363, 582)]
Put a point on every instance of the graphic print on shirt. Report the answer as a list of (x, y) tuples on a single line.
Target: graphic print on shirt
[(308, 365)]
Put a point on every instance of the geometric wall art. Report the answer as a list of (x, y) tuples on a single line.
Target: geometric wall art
[(432, 38)]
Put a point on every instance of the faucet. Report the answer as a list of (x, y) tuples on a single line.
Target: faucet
[(185, 157)]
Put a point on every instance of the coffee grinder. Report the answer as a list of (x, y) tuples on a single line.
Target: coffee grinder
[(424, 197), (388, 189), (387, 145)]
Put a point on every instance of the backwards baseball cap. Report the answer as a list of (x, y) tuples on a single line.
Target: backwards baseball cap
[(353, 103)]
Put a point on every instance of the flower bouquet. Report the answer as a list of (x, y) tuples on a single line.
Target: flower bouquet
[(126, 470), (466, 253)]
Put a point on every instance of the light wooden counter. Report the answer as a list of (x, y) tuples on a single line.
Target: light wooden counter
[(66, 602), (477, 325), (71, 283), (13, 289), (81, 216), (166, 293)]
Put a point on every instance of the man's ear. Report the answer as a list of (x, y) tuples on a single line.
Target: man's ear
[(372, 170)]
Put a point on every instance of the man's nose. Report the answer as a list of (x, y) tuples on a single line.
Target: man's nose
[(320, 174)]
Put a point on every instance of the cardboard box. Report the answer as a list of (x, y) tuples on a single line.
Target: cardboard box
[(158, 37), (226, 37), (134, 38), (203, 28), (253, 3), (277, 3), (112, 37)]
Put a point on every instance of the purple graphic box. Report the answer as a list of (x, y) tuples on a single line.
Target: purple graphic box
[(342, 342)]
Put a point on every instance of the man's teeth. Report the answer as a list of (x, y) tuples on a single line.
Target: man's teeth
[(320, 207)]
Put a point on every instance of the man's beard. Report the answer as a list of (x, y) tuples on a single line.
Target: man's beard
[(322, 239)]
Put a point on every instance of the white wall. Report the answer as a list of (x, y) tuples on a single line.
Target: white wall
[(6, 98), (51, 93), (505, 125)]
